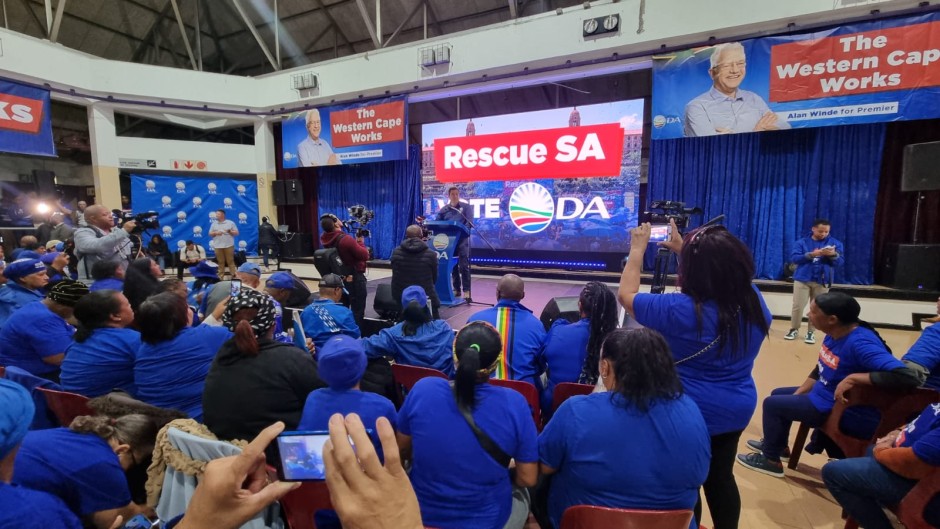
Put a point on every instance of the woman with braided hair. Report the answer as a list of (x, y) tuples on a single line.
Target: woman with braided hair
[(571, 351), (254, 380), (443, 430), (85, 464)]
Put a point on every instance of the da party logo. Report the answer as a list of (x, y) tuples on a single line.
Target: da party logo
[(20, 113), (531, 208)]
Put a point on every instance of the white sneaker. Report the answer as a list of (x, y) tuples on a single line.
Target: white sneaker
[(810, 338)]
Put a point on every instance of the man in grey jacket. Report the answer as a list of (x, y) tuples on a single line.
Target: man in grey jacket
[(100, 241)]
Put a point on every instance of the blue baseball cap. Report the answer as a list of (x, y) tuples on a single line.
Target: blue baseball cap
[(280, 280), (205, 269), (414, 293), (250, 268), (341, 362)]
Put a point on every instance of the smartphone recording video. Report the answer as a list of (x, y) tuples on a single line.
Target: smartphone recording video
[(236, 287), (300, 456), (660, 233)]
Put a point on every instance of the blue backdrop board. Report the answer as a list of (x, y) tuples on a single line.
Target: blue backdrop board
[(25, 120), (187, 205), (886, 70), (361, 132)]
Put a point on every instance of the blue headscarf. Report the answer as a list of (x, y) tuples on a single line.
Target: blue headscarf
[(16, 414)]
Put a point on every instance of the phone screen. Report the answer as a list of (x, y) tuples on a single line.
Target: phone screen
[(659, 233), (300, 456), (139, 522), (236, 287)]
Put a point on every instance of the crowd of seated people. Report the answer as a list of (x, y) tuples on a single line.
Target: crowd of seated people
[(678, 392)]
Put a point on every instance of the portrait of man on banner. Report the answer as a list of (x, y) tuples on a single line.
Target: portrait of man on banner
[(726, 108), (315, 151)]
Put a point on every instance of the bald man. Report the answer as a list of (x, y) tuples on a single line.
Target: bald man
[(314, 150), (99, 241), (414, 263), (522, 333)]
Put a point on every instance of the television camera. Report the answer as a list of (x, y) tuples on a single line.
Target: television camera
[(147, 220), (359, 218)]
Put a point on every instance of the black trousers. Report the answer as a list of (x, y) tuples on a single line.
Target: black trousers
[(357, 296), (461, 273), (721, 490)]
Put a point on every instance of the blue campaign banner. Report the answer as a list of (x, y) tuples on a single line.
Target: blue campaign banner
[(25, 120), (369, 131), (187, 206), (887, 70)]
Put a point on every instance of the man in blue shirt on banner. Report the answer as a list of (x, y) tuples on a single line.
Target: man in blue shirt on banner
[(725, 108), (314, 150)]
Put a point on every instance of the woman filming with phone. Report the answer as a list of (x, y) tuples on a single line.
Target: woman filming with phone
[(714, 327)]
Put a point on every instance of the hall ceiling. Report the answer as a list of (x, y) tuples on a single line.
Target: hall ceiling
[(310, 31)]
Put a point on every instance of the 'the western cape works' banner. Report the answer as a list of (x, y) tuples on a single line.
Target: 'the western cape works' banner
[(25, 120), (370, 131), (887, 70)]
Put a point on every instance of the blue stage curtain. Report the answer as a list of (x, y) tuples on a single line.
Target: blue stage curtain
[(772, 185), (391, 189)]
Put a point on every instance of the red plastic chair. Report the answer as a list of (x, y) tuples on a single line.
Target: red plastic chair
[(912, 507), (529, 392), (566, 390), (591, 517), (406, 376), (300, 504), (66, 406)]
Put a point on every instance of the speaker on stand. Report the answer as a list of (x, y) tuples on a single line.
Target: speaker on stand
[(560, 307)]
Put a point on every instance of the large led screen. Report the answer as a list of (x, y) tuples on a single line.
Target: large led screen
[(541, 181)]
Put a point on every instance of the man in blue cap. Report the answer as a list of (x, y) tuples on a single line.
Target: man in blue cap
[(56, 266), (23, 508), (280, 286), (325, 317), (27, 279)]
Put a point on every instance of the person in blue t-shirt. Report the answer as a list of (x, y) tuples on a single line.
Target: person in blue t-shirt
[(27, 280), (852, 353), (864, 486), (924, 355), (36, 336), (571, 351), (816, 258), (84, 465), (460, 484), (20, 507), (325, 317), (419, 340), (342, 362), (102, 357), (108, 275), (664, 455), (714, 329), (522, 333), (174, 358)]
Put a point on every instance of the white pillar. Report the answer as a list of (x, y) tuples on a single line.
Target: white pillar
[(265, 158), (104, 155)]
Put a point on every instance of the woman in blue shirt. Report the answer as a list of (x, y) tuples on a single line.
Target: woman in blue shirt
[(572, 350), (419, 340), (664, 456), (102, 357), (84, 465), (714, 329), (460, 484), (174, 359), (852, 353)]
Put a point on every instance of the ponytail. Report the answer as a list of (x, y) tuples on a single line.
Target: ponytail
[(866, 325), (245, 340), (466, 378), (412, 317), (136, 430)]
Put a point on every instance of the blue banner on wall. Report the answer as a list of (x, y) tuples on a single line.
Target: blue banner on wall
[(370, 131), (887, 70), (25, 120), (187, 206)]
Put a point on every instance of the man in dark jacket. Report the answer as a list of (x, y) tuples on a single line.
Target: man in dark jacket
[(413, 263), (267, 241), (354, 255)]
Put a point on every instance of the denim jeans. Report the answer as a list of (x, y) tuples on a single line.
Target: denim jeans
[(781, 408), (862, 486)]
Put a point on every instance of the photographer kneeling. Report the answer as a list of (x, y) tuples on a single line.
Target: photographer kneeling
[(99, 241)]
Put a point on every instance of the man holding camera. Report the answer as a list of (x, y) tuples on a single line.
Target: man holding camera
[(99, 241), (223, 234), (354, 255)]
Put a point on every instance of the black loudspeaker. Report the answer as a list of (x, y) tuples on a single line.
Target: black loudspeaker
[(45, 182), (914, 267), (561, 307), (297, 245), (294, 192), (300, 295), (277, 189), (384, 304), (372, 326), (920, 167)]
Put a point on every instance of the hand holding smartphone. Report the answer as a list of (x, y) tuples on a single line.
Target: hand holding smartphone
[(660, 232), (236, 287), (300, 456)]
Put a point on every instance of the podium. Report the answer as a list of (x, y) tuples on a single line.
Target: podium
[(445, 236)]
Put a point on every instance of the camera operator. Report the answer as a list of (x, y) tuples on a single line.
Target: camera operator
[(354, 254), (100, 241)]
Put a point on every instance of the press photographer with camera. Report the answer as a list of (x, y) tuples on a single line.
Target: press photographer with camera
[(100, 241), (354, 254)]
